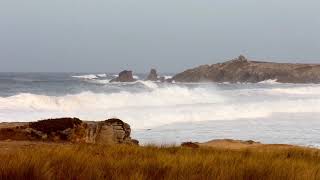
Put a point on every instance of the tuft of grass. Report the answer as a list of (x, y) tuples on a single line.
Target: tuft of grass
[(61, 161)]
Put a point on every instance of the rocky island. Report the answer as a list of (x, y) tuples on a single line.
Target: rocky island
[(246, 71)]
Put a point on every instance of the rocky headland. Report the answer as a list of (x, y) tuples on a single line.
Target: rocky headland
[(246, 71), (109, 132)]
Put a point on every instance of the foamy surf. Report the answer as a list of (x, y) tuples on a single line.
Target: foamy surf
[(269, 81), (88, 76), (306, 90), (170, 112), (102, 75), (162, 105)]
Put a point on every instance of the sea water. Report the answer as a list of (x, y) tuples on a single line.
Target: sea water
[(169, 113)]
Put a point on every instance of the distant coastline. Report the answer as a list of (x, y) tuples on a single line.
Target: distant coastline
[(243, 70)]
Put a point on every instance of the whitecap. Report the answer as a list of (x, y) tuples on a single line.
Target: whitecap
[(87, 76)]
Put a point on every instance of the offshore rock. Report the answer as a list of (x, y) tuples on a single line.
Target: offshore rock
[(124, 76), (153, 75), (243, 70)]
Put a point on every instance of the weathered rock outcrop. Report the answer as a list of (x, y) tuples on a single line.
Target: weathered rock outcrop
[(243, 70), (153, 75), (111, 131), (124, 76)]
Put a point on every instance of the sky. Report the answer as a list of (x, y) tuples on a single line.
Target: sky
[(170, 35)]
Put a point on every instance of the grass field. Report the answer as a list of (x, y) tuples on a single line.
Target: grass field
[(58, 161)]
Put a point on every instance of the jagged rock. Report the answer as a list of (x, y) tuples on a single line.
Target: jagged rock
[(124, 76), (112, 131), (243, 70), (153, 75)]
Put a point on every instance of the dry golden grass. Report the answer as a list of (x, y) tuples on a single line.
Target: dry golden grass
[(58, 161)]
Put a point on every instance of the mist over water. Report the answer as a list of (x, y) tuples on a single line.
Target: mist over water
[(169, 113)]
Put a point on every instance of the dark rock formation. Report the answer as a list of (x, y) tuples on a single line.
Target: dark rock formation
[(243, 70), (190, 145), (55, 125), (153, 75), (112, 131), (124, 76)]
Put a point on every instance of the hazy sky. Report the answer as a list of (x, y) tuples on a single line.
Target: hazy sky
[(170, 35)]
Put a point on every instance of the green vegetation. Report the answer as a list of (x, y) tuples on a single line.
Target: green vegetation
[(61, 161)]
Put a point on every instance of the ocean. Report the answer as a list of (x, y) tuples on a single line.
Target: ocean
[(169, 113)]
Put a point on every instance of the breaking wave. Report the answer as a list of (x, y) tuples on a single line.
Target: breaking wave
[(162, 105)]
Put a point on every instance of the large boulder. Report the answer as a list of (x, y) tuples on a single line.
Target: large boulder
[(124, 76), (112, 131), (153, 75)]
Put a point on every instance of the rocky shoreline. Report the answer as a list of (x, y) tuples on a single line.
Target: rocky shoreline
[(73, 130), (108, 132), (238, 70)]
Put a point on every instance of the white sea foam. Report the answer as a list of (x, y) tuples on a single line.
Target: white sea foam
[(161, 105), (87, 76), (306, 90), (269, 81), (149, 84), (102, 75), (99, 81)]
